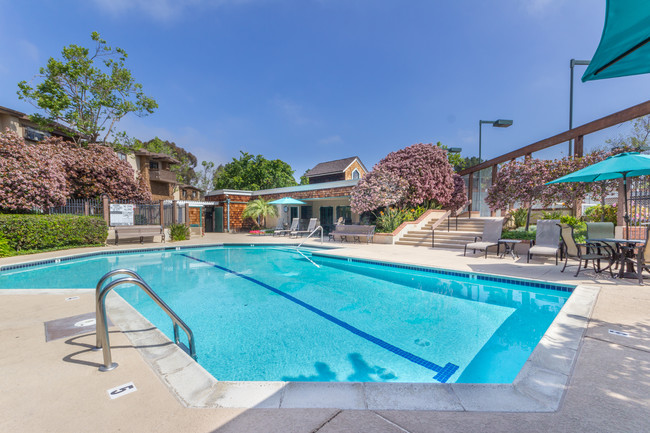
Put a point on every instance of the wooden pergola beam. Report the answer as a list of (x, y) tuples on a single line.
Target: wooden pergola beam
[(575, 133)]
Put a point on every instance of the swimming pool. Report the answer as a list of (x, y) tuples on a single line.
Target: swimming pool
[(271, 314)]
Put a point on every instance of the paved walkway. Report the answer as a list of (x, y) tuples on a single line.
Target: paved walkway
[(55, 386)]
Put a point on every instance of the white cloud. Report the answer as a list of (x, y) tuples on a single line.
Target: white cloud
[(29, 50), (535, 7), (292, 111), (162, 10), (333, 139)]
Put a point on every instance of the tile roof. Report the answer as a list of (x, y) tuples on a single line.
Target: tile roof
[(332, 167)]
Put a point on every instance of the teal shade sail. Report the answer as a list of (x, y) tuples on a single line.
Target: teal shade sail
[(624, 47)]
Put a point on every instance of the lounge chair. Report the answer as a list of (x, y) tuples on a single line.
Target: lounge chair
[(284, 232), (547, 240), (587, 251), (310, 228), (279, 228), (490, 237)]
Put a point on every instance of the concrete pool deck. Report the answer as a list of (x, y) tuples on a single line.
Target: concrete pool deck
[(55, 386)]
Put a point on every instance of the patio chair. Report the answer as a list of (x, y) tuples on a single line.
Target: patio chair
[(279, 228), (639, 256), (547, 240), (490, 237), (284, 232), (603, 230), (587, 251), (310, 228)]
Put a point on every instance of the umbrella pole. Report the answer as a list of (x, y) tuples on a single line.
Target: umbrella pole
[(626, 217)]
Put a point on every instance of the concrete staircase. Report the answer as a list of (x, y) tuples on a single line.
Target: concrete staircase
[(468, 228)]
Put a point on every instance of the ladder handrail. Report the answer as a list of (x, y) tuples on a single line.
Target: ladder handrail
[(313, 231), (102, 327)]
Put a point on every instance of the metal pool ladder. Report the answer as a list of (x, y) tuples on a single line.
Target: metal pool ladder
[(100, 305)]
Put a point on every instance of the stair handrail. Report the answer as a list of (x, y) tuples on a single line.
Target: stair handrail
[(459, 211), (102, 327), (313, 231), (436, 224)]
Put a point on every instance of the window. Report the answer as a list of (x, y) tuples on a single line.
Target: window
[(344, 212), (35, 134), (122, 156), (355, 174), (153, 165)]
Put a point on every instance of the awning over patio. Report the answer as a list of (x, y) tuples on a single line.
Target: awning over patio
[(624, 47)]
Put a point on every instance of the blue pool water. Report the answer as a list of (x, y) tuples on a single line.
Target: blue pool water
[(268, 313)]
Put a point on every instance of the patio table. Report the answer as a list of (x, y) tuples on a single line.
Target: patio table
[(509, 247), (623, 254)]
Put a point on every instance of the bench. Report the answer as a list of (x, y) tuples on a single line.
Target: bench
[(138, 232), (354, 232)]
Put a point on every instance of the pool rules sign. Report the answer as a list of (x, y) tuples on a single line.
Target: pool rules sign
[(121, 214)]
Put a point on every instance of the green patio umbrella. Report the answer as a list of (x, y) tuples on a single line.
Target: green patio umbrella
[(287, 201), (624, 48), (623, 165)]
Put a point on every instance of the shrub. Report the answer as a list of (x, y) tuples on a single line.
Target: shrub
[(555, 215), (579, 227), (5, 249), (179, 232), (38, 232), (594, 213), (519, 234), (519, 217)]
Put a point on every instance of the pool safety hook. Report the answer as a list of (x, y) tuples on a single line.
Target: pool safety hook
[(102, 291)]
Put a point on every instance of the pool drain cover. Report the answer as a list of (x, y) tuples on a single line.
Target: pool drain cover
[(70, 326)]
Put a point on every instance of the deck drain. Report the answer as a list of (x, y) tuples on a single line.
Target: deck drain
[(70, 326)]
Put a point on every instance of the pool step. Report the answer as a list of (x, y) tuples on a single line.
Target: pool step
[(446, 236)]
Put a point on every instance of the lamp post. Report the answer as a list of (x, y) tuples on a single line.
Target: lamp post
[(500, 123), (573, 63)]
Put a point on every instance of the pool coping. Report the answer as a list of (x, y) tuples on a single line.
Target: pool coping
[(540, 386)]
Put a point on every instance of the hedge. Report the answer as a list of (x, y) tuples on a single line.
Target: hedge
[(38, 232)]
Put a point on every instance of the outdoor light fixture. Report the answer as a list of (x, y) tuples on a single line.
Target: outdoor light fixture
[(502, 123), (573, 63), (455, 149), (499, 123)]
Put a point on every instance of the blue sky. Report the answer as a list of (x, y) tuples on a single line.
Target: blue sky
[(313, 80)]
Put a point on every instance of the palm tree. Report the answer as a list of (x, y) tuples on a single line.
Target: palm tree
[(259, 208)]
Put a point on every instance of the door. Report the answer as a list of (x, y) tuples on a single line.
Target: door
[(209, 219), (218, 219), (327, 218), (294, 213)]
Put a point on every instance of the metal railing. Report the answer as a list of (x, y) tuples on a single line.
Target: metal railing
[(102, 291), (313, 231)]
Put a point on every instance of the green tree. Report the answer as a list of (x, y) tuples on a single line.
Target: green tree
[(205, 177), (637, 139), (304, 180), (259, 208), (87, 91), (254, 173), (187, 161)]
